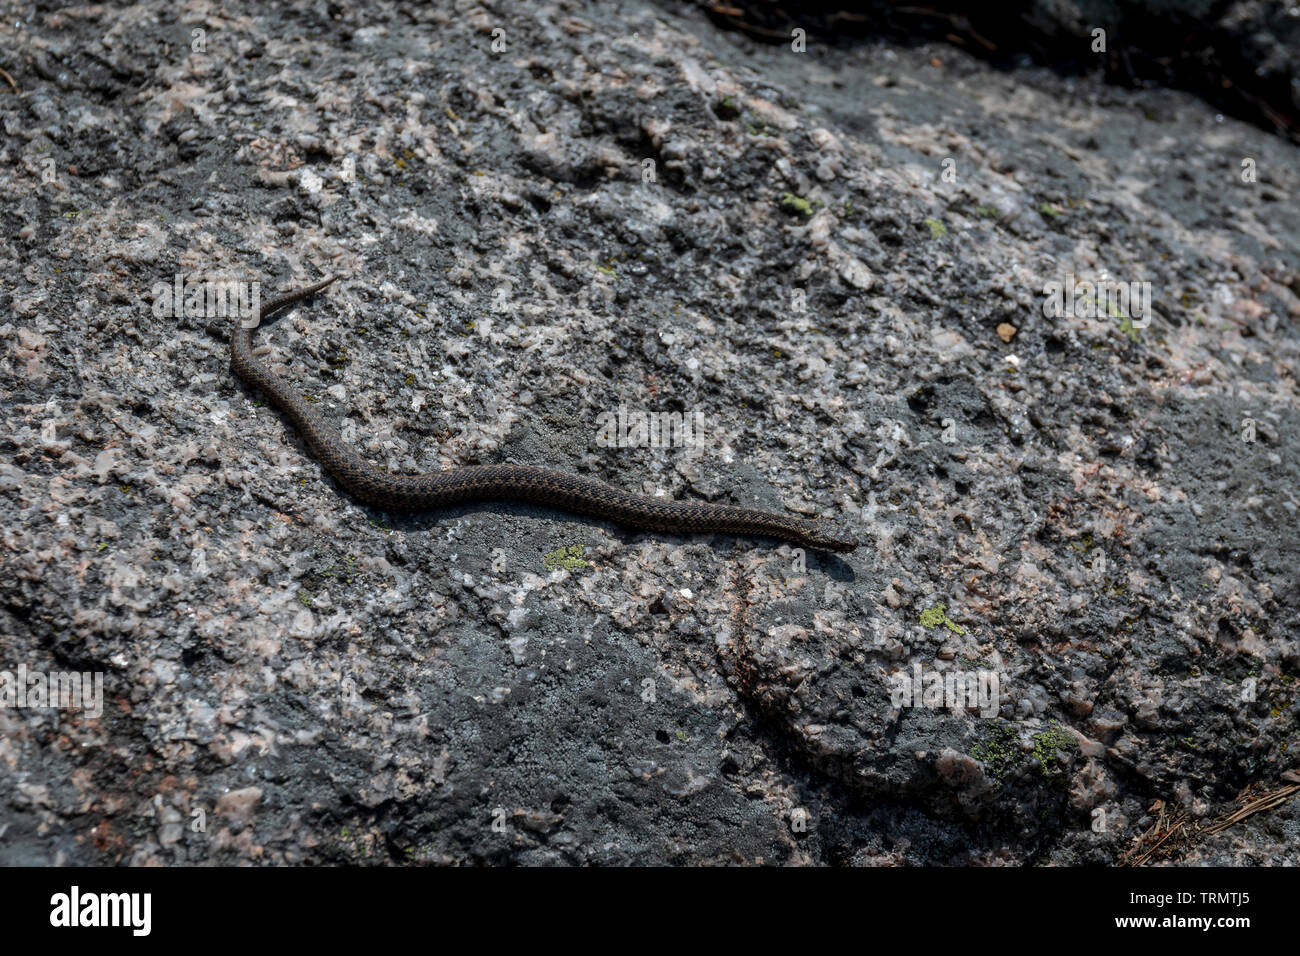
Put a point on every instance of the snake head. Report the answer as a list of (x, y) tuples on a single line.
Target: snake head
[(821, 537)]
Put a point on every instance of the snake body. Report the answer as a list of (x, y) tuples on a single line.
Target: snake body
[(542, 486)]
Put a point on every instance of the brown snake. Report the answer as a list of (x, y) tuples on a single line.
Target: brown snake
[(541, 486)]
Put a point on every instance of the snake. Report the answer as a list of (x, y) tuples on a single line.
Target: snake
[(375, 486)]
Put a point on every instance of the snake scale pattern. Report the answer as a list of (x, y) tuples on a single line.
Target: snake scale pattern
[(542, 486)]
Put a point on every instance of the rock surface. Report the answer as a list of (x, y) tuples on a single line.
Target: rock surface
[(1242, 56), (622, 206)]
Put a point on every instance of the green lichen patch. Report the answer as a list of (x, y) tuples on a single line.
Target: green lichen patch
[(1003, 756), (1053, 749), (796, 205), (937, 229), (936, 616), (999, 751), (568, 557)]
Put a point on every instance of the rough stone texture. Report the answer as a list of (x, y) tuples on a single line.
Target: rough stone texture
[(1243, 56), (503, 683)]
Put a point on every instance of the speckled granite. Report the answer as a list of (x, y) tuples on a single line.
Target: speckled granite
[(624, 206)]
